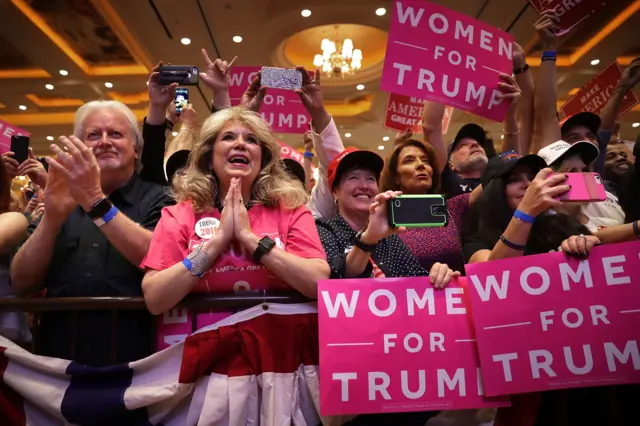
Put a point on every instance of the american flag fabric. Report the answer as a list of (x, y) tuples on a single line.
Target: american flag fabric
[(256, 367)]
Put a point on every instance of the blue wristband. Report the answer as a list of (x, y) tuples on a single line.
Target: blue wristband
[(187, 264), (308, 154), (523, 216), (108, 217), (549, 55)]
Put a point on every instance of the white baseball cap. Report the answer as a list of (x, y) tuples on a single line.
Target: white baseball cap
[(552, 153)]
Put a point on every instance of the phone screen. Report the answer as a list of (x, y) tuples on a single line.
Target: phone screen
[(419, 211), (20, 147), (182, 98)]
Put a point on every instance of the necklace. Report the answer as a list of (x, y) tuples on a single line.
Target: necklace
[(219, 205)]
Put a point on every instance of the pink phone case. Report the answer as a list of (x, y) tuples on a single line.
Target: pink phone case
[(584, 187)]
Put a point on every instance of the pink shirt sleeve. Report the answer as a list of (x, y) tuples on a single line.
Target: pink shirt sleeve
[(302, 236), (169, 243)]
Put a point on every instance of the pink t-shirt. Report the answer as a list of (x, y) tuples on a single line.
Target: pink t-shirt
[(180, 231)]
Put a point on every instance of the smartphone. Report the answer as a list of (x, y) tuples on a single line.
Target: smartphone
[(29, 193), (584, 187), (182, 98), (417, 211), (185, 75), (20, 147), (281, 78)]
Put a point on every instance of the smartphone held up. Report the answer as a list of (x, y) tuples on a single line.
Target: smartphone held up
[(585, 187), (184, 75), (20, 147), (182, 99), (417, 211), (281, 78)]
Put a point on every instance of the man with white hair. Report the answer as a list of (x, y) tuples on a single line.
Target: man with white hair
[(467, 160), (98, 221)]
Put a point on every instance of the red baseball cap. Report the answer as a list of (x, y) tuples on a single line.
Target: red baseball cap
[(349, 157)]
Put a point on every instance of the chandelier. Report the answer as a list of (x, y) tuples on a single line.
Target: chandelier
[(338, 58)]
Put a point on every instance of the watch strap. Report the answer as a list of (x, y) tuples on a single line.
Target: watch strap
[(265, 245), (100, 208), (107, 217), (368, 248)]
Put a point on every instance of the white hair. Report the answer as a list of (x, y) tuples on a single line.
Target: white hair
[(94, 106)]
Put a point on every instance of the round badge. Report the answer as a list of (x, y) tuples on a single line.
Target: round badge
[(205, 228)]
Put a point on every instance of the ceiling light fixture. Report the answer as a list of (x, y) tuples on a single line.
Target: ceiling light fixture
[(64, 72), (49, 138), (381, 11), (595, 62), (185, 40), (635, 125), (347, 135), (49, 86), (305, 13), (381, 147), (23, 107), (237, 39), (386, 138), (338, 58), (108, 84), (360, 87)]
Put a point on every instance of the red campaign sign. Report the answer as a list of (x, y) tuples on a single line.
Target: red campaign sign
[(444, 56), (282, 109), (550, 322), (6, 131), (410, 348), (571, 12), (594, 95), (404, 112)]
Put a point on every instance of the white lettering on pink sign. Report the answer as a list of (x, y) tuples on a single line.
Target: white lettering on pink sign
[(580, 319), (282, 109), (445, 56), (411, 348)]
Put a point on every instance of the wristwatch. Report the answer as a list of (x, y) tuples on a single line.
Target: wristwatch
[(100, 208), (265, 245), (356, 241)]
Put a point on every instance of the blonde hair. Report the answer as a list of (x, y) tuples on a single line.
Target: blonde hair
[(273, 185), (94, 106)]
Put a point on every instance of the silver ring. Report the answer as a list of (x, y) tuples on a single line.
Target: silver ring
[(313, 81)]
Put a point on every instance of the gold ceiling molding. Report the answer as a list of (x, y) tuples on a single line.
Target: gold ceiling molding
[(116, 24), (24, 73), (54, 102), (349, 109), (129, 98), (52, 118), (568, 60)]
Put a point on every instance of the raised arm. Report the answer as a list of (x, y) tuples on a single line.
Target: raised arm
[(510, 133), (525, 118), (547, 126), (216, 78), (188, 133), (432, 127)]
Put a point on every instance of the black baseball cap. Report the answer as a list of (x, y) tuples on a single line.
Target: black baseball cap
[(178, 160), (502, 164), (587, 119), (469, 130), (294, 168)]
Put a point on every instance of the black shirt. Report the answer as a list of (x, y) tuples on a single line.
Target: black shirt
[(453, 185), (153, 153), (84, 264), (391, 255)]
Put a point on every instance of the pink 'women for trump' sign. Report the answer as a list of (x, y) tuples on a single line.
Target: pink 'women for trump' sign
[(394, 345), (282, 109), (551, 322), (437, 54)]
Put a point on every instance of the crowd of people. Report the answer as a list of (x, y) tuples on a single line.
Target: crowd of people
[(119, 211)]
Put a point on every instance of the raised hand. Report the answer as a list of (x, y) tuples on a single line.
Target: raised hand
[(310, 94), (631, 75), (160, 95), (441, 275), (188, 117), (11, 165), (378, 226), (510, 88), (402, 136), (252, 97), (217, 75), (547, 28), (58, 202), (79, 167), (542, 192), (34, 169)]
